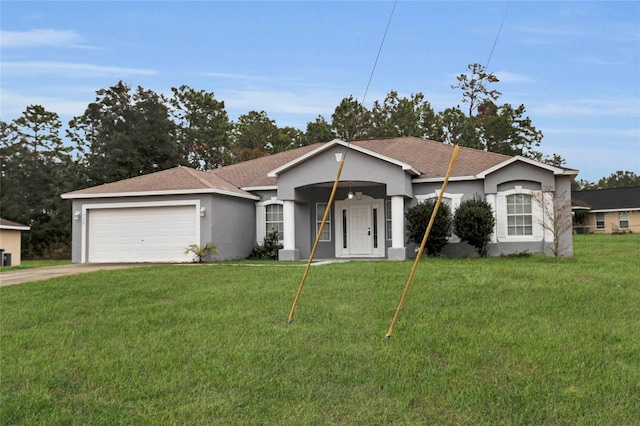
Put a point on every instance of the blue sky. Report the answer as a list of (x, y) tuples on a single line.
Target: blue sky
[(574, 65)]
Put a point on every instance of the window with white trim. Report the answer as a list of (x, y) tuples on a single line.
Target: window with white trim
[(326, 231), (274, 219), (599, 220), (623, 220), (269, 216), (387, 218), (519, 215)]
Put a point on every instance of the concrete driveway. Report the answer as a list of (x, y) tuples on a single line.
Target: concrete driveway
[(19, 276)]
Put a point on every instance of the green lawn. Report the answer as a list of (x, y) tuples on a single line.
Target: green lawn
[(479, 341)]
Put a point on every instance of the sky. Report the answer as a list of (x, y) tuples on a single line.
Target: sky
[(574, 65)]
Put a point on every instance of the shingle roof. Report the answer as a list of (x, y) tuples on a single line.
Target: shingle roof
[(609, 199), (430, 158), (253, 173), (171, 180)]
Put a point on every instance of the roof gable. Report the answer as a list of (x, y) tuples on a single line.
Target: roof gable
[(347, 146)]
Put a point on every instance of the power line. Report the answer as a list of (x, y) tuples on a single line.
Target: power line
[(497, 35)]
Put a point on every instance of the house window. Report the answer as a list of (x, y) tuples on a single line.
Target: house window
[(326, 231), (519, 216), (387, 217), (274, 219), (623, 218), (599, 220)]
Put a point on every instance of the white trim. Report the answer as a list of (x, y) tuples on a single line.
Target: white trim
[(405, 166), (555, 170), (141, 204), (259, 188), (537, 217), (71, 196), (629, 209), (15, 228), (261, 218), (397, 221), (441, 179), (289, 225)]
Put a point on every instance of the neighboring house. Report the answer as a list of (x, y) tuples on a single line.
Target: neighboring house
[(152, 218), (10, 242), (608, 211)]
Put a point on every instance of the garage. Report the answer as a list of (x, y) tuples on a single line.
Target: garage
[(140, 233)]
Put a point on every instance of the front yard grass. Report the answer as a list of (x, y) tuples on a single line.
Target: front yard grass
[(479, 341)]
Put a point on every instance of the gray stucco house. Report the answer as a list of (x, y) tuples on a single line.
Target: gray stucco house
[(152, 218)]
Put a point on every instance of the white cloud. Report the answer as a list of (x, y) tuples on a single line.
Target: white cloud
[(281, 102), (14, 104), (619, 107), (69, 69), (38, 38), (512, 77)]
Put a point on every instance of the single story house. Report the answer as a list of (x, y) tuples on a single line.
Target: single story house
[(152, 218), (607, 211), (11, 242)]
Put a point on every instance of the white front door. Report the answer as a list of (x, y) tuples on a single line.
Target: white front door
[(360, 230)]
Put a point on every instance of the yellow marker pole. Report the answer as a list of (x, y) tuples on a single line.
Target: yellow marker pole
[(315, 245), (424, 242)]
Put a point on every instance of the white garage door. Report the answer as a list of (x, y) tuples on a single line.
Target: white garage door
[(141, 234)]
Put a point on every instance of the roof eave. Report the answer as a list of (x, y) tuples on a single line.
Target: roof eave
[(72, 196)]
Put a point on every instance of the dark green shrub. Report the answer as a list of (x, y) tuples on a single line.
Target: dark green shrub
[(418, 219), (473, 222), (269, 248)]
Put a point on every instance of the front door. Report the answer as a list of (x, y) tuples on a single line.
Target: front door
[(360, 230)]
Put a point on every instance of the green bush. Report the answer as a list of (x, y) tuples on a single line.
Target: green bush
[(269, 248), (473, 222), (418, 219)]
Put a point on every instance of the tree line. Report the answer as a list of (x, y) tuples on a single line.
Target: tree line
[(128, 132)]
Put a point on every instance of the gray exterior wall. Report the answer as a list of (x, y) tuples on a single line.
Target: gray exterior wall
[(323, 168), (232, 226)]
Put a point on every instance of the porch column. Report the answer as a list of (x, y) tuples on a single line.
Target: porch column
[(289, 252), (397, 251)]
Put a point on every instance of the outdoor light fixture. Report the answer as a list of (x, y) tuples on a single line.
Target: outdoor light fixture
[(202, 210), (350, 194), (76, 215)]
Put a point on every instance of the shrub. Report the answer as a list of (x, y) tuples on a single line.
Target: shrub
[(200, 252), (473, 222), (269, 248), (418, 219)]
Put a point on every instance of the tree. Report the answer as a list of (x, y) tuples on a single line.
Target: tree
[(319, 131), (619, 179), (475, 87), (397, 117), (202, 128), (473, 222), (504, 130), (36, 169), (288, 138), (556, 217), (351, 120), (455, 128), (418, 218), (254, 135), (122, 135)]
